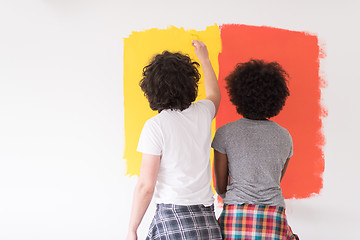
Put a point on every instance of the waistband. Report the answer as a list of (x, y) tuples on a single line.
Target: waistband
[(254, 207), (191, 208)]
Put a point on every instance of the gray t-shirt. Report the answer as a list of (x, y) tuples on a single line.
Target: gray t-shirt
[(257, 151)]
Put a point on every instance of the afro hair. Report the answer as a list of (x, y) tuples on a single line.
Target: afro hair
[(258, 89)]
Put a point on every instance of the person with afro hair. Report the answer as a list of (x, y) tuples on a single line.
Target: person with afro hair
[(176, 146), (251, 154)]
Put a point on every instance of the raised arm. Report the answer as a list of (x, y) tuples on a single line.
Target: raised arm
[(211, 84)]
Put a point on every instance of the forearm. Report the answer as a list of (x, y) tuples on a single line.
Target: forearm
[(221, 186), (141, 200), (212, 89), (211, 84), (221, 192)]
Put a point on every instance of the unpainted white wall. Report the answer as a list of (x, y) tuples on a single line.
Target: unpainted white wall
[(61, 111)]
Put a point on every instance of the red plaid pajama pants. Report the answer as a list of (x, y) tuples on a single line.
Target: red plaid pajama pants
[(247, 221)]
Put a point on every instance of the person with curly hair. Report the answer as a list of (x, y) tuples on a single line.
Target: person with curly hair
[(251, 154), (176, 146)]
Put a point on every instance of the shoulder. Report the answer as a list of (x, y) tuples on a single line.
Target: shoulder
[(153, 123), (153, 119), (231, 125), (223, 128), (204, 105), (226, 129), (222, 137), (281, 128), (284, 131)]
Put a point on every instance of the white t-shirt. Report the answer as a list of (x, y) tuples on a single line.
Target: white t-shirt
[(183, 139)]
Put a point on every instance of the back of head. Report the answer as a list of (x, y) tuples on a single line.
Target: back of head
[(258, 89), (170, 81)]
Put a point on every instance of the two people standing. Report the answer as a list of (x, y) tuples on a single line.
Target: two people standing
[(251, 154)]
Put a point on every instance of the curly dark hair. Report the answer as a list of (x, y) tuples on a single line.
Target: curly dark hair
[(258, 89), (170, 81)]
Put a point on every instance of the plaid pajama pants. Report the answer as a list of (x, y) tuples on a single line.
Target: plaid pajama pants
[(259, 222), (184, 222)]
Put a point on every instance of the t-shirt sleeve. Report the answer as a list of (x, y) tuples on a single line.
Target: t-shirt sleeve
[(219, 141), (209, 107), (291, 147), (150, 141)]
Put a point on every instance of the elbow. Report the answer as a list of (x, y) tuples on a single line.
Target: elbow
[(145, 189)]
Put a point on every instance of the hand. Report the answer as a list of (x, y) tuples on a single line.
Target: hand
[(201, 51), (131, 236)]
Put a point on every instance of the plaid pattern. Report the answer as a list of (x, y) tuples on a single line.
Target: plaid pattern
[(184, 222), (257, 222)]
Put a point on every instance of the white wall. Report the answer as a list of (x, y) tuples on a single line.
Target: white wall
[(61, 111)]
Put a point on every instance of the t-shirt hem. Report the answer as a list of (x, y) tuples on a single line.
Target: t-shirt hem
[(148, 152), (205, 203), (219, 150)]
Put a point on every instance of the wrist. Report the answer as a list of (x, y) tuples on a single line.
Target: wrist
[(205, 62), (132, 228)]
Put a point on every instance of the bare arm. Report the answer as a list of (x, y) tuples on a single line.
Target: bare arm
[(211, 84), (143, 192), (221, 172), (284, 169)]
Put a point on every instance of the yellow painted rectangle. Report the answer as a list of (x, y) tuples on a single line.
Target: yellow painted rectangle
[(139, 48)]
